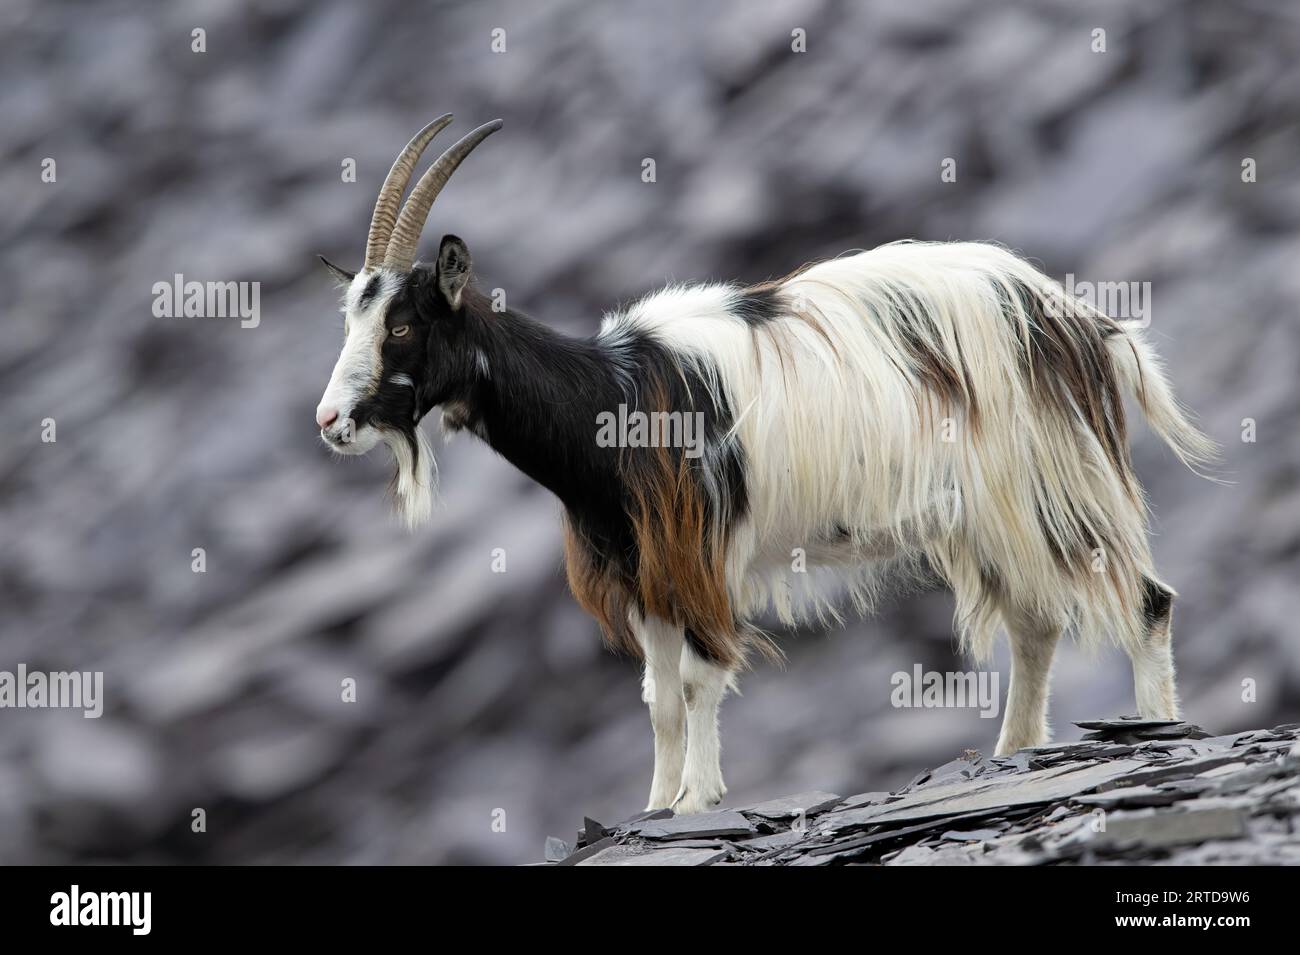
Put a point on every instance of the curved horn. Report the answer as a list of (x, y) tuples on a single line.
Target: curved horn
[(410, 222), (390, 196)]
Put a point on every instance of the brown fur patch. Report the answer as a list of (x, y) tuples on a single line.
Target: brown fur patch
[(941, 377), (1070, 366), (600, 590), (678, 569), (681, 573)]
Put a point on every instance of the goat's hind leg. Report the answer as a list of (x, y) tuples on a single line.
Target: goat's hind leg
[(1153, 659), (1033, 643), (661, 689)]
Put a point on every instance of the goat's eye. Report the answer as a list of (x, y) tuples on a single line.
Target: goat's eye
[(401, 331)]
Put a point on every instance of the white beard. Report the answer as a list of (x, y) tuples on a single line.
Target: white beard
[(416, 477)]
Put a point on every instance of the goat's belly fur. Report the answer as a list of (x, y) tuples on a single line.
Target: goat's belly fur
[(924, 405)]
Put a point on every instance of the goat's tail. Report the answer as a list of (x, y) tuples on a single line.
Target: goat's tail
[(1143, 376)]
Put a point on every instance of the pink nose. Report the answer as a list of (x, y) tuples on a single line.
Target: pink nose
[(326, 416)]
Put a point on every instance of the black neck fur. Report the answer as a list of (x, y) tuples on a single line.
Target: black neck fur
[(534, 396)]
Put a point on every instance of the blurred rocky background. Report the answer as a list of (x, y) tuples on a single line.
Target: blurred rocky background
[(486, 697)]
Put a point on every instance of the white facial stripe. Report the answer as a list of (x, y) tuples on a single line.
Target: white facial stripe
[(388, 283), (359, 367), (357, 374)]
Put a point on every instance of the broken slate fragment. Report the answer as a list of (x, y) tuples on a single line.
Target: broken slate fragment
[(628, 855), (725, 823), (1152, 829), (1133, 797), (806, 804), (1133, 730), (1124, 724), (777, 840), (556, 850), (864, 799), (586, 852), (591, 832), (971, 835)]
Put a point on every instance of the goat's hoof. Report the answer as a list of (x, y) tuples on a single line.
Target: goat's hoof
[(690, 801)]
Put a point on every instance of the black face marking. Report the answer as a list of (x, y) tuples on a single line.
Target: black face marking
[(369, 292), (394, 405)]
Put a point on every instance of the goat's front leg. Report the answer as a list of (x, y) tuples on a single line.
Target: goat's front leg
[(704, 684), (661, 689)]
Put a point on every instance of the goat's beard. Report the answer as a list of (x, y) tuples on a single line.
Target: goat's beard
[(416, 475)]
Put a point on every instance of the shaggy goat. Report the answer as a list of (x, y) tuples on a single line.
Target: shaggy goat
[(943, 406)]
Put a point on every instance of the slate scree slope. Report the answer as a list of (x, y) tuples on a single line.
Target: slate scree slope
[(936, 405)]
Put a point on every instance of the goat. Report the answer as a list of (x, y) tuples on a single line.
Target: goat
[(940, 406)]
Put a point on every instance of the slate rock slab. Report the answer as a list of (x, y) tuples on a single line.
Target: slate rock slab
[(1232, 799), (556, 850), (804, 804), (703, 825), (1153, 829), (1124, 724), (629, 855)]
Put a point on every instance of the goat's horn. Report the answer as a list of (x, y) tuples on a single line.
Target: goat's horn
[(410, 222), (390, 196)]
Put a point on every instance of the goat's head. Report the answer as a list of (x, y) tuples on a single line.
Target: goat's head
[(401, 321)]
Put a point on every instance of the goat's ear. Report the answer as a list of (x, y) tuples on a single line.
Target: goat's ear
[(453, 269), (342, 275)]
